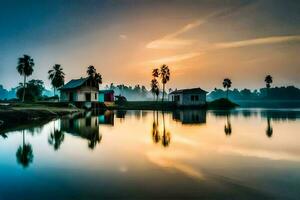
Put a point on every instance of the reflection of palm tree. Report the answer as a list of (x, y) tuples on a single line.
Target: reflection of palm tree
[(166, 138), (94, 138), (227, 127), (155, 131), (24, 153), (269, 130), (56, 138)]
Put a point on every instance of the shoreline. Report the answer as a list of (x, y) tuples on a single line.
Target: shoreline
[(15, 116)]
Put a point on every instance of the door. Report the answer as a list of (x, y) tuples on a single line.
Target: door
[(71, 96), (88, 96)]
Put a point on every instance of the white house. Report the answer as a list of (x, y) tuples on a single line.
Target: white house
[(79, 90), (189, 97)]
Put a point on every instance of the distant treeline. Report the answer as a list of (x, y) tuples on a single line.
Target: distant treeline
[(276, 93), (140, 93), (132, 93)]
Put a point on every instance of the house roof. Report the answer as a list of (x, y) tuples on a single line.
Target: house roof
[(106, 91), (74, 83), (189, 91)]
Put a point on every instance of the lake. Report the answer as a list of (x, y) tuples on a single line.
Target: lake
[(237, 154)]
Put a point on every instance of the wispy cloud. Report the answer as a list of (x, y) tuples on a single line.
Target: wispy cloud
[(123, 37), (171, 42), (257, 41), (175, 58)]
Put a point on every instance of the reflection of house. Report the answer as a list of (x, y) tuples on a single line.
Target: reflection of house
[(107, 118), (79, 90), (190, 116), (106, 96), (189, 97)]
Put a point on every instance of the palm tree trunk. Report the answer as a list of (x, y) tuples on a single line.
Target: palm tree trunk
[(227, 93), (54, 90), (163, 95), (24, 87), (23, 139)]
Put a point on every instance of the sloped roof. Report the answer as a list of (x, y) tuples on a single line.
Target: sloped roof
[(189, 91), (74, 83)]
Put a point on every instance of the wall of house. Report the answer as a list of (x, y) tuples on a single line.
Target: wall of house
[(188, 100), (79, 94)]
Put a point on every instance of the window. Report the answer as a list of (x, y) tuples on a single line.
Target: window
[(95, 96), (177, 98), (194, 98)]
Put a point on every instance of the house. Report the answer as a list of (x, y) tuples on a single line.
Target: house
[(106, 96), (81, 91), (189, 97)]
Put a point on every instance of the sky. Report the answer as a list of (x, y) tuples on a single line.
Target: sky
[(202, 41)]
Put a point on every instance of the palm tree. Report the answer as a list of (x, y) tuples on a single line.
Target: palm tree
[(24, 153), (91, 71), (165, 77), (25, 68), (155, 73), (57, 76), (227, 84), (154, 87), (268, 80)]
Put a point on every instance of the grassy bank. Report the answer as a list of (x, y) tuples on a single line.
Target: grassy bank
[(16, 115)]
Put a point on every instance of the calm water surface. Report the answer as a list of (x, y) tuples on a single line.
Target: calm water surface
[(241, 154)]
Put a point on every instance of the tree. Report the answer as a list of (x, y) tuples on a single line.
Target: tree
[(34, 90), (155, 73), (268, 80), (25, 68), (165, 77), (92, 73), (227, 84), (154, 87), (57, 76), (24, 153)]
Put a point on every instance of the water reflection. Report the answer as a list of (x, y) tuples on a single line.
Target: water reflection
[(165, 138), (56, 138), (269, 130), (190, 117), (24, 153), (227, 127)]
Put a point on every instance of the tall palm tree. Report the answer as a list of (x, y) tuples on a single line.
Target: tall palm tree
[(154, 87), (268, 80), (57, 76), (165, 77), (25, 68), (227, 84), (24, 153)]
